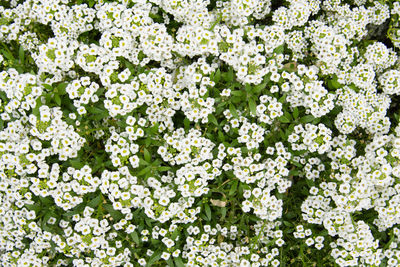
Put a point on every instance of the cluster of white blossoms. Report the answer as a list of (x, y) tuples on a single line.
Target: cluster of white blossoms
[(194, 101), (250, 134), (306, 90), (182, 149), (177, 132), (364, 109), (22, 92), (269, 109), (310, 239), (389, 82), (264, 205), (359, 183), (311, 138), (213, 246), (56, 57), (121, 150), (82, 91)]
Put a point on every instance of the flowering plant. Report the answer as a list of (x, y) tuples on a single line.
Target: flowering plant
[(199, 133)]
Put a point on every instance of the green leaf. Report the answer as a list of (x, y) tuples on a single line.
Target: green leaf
[(76, 210), (8, 55), (155, 163), (289, 130), (232, 109), (57, 99), (223, 213), (221, 136), (282, 99), (61, 88), (230, 75), (233, 188), (48, 98), (252, 106), (95, 201), (147, 156), (254, 218), (164, 168), (175, 234), (35, 110), (287, 223), (279, 49), (155, 257), (135, 237), (294, 172), (237, 93), (310, 182), (145, 170), (143, 162), (48, 87), (217, 76), (152, 130), (96, 110), (204, 217), (257, 89), (208, 211), (215, 22), (35, 207), (212, 119), (236, 99), (46, 201), (21, 54), (186, 123), (148, 141), (282, 134), (295, 113), (100, 91), (170, 262), (307, 119), (333, 83), (99, 116), (76, 163), (284, 118), (178, 262), (148, 221), (296, 164), (291, 215)]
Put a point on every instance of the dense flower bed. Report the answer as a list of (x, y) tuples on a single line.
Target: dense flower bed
[(199, 133)]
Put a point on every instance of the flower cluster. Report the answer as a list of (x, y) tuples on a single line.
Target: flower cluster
[(269, 109), (362, 109), (82, 91), (190, 133), (312, 138), (21, 92)]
